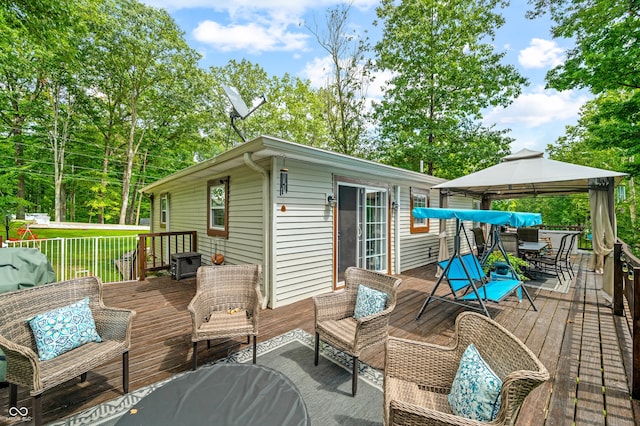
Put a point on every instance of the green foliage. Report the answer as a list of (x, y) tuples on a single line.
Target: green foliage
[(445, 72), (607, 50), (519, 264)]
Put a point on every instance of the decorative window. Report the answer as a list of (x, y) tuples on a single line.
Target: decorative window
[(164, 209), (419, 198), (218, 208)]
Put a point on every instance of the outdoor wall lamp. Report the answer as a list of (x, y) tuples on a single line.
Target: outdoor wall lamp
[(394, 205), (331, 200)]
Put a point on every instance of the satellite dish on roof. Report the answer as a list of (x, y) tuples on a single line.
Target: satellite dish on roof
[(240, 109)]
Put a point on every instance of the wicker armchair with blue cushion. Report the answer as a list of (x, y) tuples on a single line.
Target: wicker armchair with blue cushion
[(484, 376), (358, 317), (56, 332)]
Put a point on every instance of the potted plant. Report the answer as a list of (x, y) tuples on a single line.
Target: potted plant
[(496, 263)]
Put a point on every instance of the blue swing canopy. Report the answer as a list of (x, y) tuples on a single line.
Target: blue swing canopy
[(463, 272), (492, 217)]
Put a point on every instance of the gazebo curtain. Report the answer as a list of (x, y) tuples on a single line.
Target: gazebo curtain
[(602, 237)]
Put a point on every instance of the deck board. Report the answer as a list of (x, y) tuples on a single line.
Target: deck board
[(572, 333)]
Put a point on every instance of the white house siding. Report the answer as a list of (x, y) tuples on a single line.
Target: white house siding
[(188, 212), (303, 234), (420, 248)]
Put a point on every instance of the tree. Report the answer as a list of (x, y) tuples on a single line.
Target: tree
[(607, 48), (293, 110), (604, 60), (139, 52), (445, 71), (345, 92)]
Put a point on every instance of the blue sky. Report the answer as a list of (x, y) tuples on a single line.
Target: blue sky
[(272, 34)]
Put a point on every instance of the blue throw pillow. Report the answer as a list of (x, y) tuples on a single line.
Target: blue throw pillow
[(369, 301), (475, 392), (62, 329)]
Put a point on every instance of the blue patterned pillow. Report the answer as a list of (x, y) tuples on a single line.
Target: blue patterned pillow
[(369, 302), (62, 329), (475, 392)]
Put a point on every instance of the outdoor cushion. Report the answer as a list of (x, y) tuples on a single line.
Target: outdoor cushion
[(62, 329), (475, 392), (369, 301)]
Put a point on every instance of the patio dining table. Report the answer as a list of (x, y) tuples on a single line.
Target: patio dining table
[(528, 248)]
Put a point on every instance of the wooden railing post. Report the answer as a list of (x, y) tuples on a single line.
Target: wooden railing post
[(618, 287), (142, 257), (635, 386)]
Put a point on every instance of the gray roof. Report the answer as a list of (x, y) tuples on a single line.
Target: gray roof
[(528, 173), (266, 146)]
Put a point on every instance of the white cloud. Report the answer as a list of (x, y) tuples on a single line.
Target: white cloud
[(293, 6), (252, 37), (539, 117), (539, 107), (540, 54), (317, 71)]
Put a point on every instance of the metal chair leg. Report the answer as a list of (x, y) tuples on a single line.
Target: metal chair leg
[(195, 356), (354, 379), (254, 349), (125, 372), (13, 394), (37, 410)]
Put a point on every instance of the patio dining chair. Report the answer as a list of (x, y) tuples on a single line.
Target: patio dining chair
[(226, 304), (426, 383), (481, 243), (553, 259), (358, 317)]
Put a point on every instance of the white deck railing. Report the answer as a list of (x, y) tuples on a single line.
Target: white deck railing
[(110, 258)]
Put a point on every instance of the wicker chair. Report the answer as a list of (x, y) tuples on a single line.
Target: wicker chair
[(24, 368), (226, 304), (334, 322), (418, 376)]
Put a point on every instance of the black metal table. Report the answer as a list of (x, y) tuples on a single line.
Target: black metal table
[(223, 394)]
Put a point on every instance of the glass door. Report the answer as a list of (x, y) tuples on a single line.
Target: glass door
[(362, 228)]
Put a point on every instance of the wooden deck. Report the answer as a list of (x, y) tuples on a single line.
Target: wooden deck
[(574, 334)]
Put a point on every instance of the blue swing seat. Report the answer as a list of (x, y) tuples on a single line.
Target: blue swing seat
[(486, 288)]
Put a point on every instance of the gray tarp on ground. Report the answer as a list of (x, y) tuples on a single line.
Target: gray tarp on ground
[(24, 267), (21, 268)]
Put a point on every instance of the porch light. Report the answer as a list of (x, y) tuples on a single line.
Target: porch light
[(331, 200)]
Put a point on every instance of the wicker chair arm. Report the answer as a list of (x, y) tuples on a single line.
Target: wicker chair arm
[(372, 329), (427, 364), (114, 323), (332, 306), (515, 388), (23, 360), (403, 413), (199, 308)]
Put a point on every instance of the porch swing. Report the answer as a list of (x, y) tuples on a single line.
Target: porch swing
[(469, 286)]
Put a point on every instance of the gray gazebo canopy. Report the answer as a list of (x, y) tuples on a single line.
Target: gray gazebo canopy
[(527, 173)]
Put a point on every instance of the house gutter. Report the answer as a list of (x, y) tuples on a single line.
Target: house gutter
[(266, 246)]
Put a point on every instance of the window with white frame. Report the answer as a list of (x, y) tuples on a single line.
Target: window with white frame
[(218, 208), (164, 209), (419, 198)]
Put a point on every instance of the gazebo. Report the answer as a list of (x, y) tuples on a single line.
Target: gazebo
[(527, 173)]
